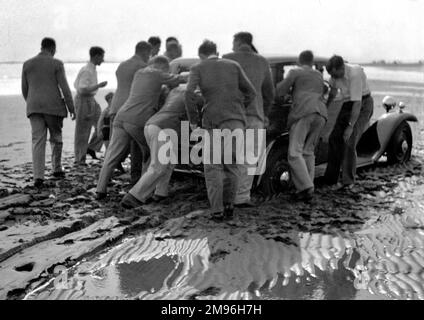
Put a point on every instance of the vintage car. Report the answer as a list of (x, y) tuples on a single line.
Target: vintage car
[(389, 136)]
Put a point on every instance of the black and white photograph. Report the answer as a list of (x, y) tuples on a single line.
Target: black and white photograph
[(231, 152)]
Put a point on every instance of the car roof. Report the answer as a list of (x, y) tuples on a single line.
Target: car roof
[(272, 59)]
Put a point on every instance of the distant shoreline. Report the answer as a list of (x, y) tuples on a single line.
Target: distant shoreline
[(393, 65), (365, 64), (82, 61)]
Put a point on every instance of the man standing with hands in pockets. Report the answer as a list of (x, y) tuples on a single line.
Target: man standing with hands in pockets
[(86, 107)]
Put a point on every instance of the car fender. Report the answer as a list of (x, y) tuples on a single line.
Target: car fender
[(278, 142), (387, 125)]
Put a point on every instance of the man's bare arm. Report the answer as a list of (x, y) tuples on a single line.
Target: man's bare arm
[(331, 96)]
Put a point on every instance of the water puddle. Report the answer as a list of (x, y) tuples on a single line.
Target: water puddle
[(372, 263)]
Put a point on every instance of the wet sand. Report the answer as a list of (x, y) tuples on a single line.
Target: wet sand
[(15, 131), (345, 245)]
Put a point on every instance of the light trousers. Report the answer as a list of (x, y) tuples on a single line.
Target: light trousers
[(222, 179), (246, 179), (87, 116), (304, 135), (136, 156), (40, 123), (158, 174), (122, 134)]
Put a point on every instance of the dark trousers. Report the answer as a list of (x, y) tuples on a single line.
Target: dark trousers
[(341, 154), (136, 156)]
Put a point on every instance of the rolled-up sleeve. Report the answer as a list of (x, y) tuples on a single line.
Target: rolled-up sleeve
[(84, 80), (191, 97)]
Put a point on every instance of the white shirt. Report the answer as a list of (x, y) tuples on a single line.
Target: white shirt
[(354, 85), (87, 77)]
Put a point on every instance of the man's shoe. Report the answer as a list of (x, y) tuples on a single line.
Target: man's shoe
[(217, 216), (228, 211), (244, 205), (92, 154), (156, 198), (131, 202), (305, 195), (101, 195), (39, 183), (59, 174)]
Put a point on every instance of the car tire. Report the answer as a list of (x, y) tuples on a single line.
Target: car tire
[(400, 146), (276, 166)]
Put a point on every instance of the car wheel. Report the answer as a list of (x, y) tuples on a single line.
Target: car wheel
[(277, 177), (400, 146)]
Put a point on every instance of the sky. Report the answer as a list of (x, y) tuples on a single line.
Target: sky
[(359, 30)]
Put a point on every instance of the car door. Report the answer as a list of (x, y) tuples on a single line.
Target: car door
[(280, 109)]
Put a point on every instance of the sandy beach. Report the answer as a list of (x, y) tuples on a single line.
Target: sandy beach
[(345, 245)]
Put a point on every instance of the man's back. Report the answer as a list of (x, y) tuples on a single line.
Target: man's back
[(125, 75), (223, 84), (258, 71), (144, 95), (41, 78), (307, 87)]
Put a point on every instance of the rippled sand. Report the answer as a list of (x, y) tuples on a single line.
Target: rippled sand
[(367, 245)]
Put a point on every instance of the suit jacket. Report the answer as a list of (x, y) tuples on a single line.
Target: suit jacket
[(43, 83), (307, 88), (125, 75), (225, 88), (143, 100), (258, 71)]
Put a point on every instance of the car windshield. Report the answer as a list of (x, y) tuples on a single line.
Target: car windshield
[(287, 68)]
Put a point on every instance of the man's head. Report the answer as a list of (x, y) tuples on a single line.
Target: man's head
[(109, 97), (171, 40), (97, 55), (173, 50), (243, 39), (48, 45), (155, 42), (306, 58), (160, 63), (206, 49), (336, 67), (143, 49)]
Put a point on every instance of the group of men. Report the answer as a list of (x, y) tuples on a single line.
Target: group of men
[(235, 92)]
